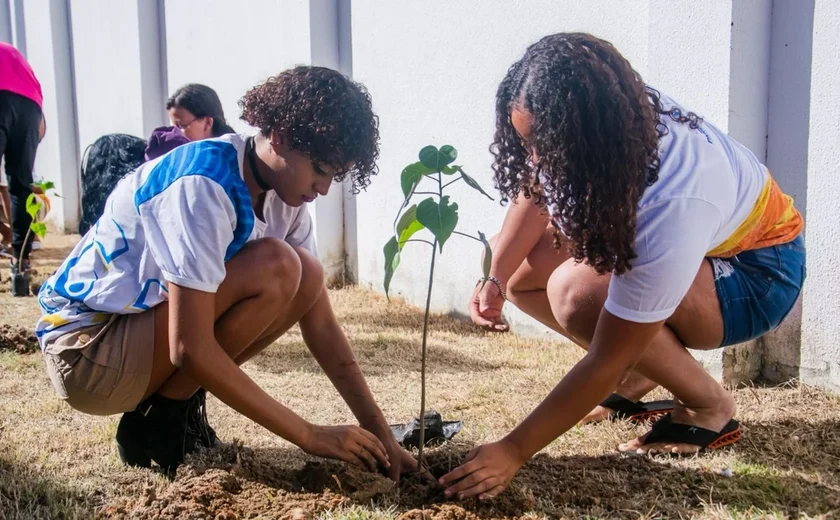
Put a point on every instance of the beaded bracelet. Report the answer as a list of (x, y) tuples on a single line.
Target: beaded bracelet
[(495, 281)]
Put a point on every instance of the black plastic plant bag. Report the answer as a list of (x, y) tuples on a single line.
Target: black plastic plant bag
[(438, 431)]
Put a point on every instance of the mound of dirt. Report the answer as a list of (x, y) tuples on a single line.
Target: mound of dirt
[(238, 482), (17, 339)]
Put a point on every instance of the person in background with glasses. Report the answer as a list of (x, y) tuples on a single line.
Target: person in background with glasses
[(196, 113)]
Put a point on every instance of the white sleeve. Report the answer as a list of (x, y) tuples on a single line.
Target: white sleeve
[(672, 239), (302, 232), (189, 227)]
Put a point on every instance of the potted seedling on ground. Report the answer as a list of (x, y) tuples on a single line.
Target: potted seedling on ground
[(36, 202), (438, 215)]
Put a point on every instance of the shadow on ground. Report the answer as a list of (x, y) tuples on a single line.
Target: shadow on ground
[(26, 494), (378, 354), (274, 482)]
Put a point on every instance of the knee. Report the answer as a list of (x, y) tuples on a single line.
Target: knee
[(575, 304), (277, 268), (311, 279)]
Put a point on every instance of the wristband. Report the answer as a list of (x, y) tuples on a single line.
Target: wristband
[(495, 281)]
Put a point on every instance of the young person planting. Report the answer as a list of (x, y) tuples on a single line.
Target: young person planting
[(638, 231), (202, 258)]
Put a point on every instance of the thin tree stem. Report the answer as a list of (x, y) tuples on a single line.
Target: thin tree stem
[(423, 350), (23, 247), (423, 361), (466, 235)]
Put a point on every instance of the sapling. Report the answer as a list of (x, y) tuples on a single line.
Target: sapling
[(34, 203), (437, 214)]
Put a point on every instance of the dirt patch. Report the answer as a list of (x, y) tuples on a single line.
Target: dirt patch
[(17, 339), (239, 482)]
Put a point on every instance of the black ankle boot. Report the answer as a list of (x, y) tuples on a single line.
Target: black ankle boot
[(197, 424), (157, 430)]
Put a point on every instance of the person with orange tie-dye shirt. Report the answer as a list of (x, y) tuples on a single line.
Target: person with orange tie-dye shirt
[(637, 230)]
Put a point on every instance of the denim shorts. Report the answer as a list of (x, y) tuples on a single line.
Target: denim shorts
[(757, 289)]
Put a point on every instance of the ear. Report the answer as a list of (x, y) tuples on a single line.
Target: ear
[(277, 139), (208, 122)]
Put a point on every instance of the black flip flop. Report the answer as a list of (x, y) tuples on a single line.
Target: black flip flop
[(666, 430), (637, 411)]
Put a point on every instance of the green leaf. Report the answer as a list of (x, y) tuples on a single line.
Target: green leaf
[(408, 225), (473, 184), (488, 254), (45, 185), (39, 228), (411, 176), (33, 205), (449, 170), (392, 260), (435, 159), (441, 219)]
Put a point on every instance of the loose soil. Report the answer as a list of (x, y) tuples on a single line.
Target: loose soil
[(17, 339), (240, 482), (58, 463)]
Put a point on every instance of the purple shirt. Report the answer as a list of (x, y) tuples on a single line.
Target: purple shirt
[(164, 139)]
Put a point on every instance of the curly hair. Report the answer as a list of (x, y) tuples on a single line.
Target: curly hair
[(595, 134), (323, 115)]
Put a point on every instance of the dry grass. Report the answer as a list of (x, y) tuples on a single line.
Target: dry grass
[(57, 463)]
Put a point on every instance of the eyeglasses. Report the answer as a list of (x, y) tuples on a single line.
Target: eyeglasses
[(182, 126)]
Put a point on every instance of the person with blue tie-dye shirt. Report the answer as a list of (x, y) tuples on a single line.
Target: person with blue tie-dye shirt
[(201, 259)]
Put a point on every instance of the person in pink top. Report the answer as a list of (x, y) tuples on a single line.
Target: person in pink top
[(21, 119)]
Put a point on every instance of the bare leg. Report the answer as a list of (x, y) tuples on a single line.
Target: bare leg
[(577, 295), (268, 287), (527, 290)]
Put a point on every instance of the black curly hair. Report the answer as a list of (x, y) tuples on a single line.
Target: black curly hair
[(323, 115), (595, 133)]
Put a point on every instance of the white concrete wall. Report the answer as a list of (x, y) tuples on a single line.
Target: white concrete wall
[(788, 114), (231, 49), (433, 69), (763, 70), (45, 26), (112, 92), (820, 363), (247, 48)]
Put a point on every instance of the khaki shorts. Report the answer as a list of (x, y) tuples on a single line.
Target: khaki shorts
[(104, 369)]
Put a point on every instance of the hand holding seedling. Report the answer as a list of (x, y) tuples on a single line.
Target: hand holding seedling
[(440, 217)]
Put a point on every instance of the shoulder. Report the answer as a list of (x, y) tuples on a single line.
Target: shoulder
[(213, 160)]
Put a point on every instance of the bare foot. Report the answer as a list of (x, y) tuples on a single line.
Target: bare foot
[(599, 413), (634, 387), (712, 417)]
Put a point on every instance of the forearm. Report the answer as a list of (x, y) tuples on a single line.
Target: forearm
[(616, 347), (214, 370), (523, 226), (575, 395), (330, 348)]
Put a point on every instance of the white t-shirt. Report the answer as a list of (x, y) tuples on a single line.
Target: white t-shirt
[(175, 219), (708, 184)]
